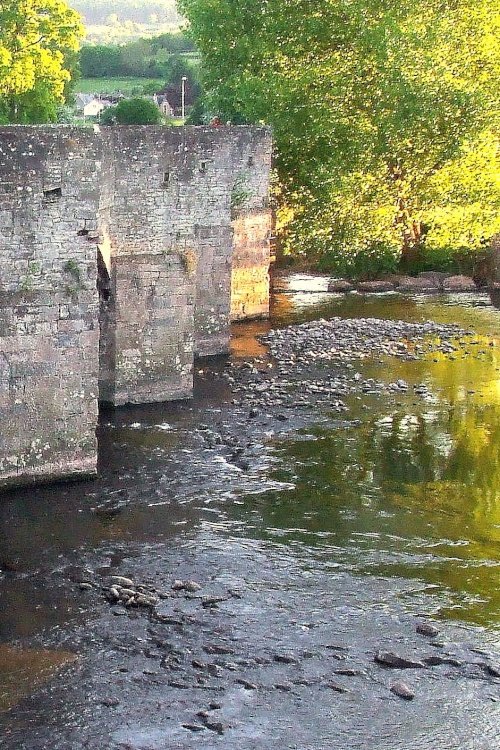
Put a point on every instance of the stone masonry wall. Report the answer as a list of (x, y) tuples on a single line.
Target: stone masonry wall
[(167, 225), (252, 226), (148, 324), (120, 250), (49, 190)]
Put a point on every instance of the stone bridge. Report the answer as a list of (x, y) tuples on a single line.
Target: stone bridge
[(124, 253)]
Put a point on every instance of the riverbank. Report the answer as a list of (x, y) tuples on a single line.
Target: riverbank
[(248, 620), (426, 282)]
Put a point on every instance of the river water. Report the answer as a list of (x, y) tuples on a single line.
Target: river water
[(346, 528)]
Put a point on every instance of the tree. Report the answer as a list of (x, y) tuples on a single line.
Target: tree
[(132, 112), (101, 61), (38, 39), (371, 103)]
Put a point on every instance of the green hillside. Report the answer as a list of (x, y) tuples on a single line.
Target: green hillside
[(110, 21)]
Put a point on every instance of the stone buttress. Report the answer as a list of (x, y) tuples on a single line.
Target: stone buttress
[(49, 332)]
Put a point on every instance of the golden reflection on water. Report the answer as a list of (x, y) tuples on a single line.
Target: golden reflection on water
[(413, 489), (441, 464), (21, 672)]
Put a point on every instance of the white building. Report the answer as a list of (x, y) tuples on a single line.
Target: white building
[(88, 105)]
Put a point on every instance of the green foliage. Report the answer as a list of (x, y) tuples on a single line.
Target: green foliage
[(198, 114), (101, 61), (168, 56), (384, 115), (240, 193), (132, 112), (38, 41)]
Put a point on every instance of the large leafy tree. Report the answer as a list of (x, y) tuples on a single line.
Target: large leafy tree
[(38, 41), (138, 111), (383, 113)]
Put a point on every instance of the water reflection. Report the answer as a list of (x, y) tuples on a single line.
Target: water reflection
[(413, 488), (409, 488), (22, 671)]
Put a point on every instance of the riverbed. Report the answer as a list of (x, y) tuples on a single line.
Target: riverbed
[(286, 543)]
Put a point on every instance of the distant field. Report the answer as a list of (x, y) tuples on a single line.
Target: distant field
[(111, 85)]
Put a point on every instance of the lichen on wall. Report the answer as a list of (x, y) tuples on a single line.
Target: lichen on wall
[(49, 189)]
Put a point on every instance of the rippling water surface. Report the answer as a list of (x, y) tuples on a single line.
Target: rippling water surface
[(404, 489)]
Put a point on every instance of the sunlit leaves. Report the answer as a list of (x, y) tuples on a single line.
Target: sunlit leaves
[(370, 101), (37, 37)]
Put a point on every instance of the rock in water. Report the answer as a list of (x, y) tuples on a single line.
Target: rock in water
[(459, 284), (340, 285), (189, 586), (122, 581), (402, 690), (394, 661), (436, 661), (425, 628), (492, 670)]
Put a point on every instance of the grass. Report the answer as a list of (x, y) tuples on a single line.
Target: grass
[(112, 85)]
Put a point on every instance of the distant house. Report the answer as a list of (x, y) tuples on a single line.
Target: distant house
[(172, 94), (88, 105), (164, 105)]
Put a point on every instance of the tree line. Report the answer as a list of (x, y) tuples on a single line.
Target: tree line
[(148, 58)]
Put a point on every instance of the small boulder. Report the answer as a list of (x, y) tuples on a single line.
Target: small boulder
[(340, 285), (437, 661), (492, 670), (189, 586), (426, 628), (459, 284), (122, 581), (418, 284), (402, 690), (375, 287), (394, 661), (436, 276)]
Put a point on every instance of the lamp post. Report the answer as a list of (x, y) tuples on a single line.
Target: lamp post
[(184, 79)]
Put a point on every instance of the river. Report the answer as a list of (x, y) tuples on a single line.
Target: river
[(334, 537)]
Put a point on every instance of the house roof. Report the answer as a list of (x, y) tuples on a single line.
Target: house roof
[(83, 99)]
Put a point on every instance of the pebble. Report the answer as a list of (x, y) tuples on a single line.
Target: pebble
[(395, 661), (110, 702), (402, 690), (285, 659), (492, 670), (336, 687), (215, 649), (215, 726), (121, 581), (425, 628), (436, 661), (194, 727), (190, 586), (347, 672), (246, 684)]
